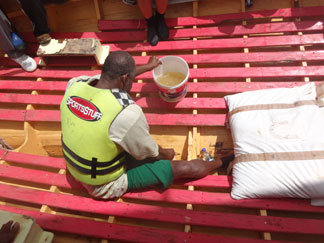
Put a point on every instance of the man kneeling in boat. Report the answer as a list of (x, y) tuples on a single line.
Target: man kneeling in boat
[(105, 136)]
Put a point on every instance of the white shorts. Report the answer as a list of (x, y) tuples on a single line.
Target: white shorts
[(110, 190)]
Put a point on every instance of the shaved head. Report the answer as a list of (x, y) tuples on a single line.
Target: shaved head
[(117, 64)]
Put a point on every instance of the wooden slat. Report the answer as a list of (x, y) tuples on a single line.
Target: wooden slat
[(32, 85), (224, 199), (216, 19), (12, 115), (152, 119), (43, 115), (197, 32), (310, 39), (35, 160), (120, 232), (30, 99), (186, 103), (251, 57), (223, 43), (201, 87), (171, 215), (237, 72)]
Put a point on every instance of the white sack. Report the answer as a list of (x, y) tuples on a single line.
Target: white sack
[(281, 143)]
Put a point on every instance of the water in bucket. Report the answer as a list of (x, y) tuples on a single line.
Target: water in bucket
[(171, 78)]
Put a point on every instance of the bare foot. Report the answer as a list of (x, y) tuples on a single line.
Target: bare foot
[(9, 231)]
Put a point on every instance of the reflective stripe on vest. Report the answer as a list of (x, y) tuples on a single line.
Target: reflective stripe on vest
[(94, 164)]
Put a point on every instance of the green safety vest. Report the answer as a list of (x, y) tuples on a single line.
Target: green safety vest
[(86, 115)]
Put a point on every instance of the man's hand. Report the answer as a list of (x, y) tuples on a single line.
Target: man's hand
[(153, 62), (166, 153)]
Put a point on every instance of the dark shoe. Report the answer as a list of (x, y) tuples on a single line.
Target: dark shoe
[(162, 28), (152, 36)]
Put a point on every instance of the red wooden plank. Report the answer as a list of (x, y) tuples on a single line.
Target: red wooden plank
[(213, 44), (40, 177), (43, 115), (174, 215), (185, 119), (119, 232), (224, 199), (64, 74), (35, 160), (153, 119), (251, 57), (186, 103), (216, 19), (3, 153), (200, 32), (32, 85), (200, 87), (253, 72), (222, 43), (237, 72), (12, 115), (31, 99), (210, 181)]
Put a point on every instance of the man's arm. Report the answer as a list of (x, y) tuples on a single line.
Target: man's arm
[(152, 63), (164, 154)]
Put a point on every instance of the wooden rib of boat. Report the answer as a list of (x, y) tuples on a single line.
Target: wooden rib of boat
[(229, 49)]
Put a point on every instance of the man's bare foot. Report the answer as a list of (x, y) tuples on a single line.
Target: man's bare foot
[(9, 231)]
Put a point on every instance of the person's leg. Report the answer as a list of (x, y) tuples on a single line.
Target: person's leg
[(5, 37), (6, 45), (161, 6), (162, 173), (146, 8), (36, 12), (193, 169), (162, 28)]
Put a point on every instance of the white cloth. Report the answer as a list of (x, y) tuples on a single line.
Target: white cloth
[(113, 189)]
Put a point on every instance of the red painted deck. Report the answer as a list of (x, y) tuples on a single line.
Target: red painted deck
[(225, 57)]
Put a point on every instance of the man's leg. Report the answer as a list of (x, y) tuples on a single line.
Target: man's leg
[(26, 62), (37, 14), (162, 173), (162, 28), (193, 169), (5, 37), (146, 8)]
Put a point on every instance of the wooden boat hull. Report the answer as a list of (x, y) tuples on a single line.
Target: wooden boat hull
[(227, 54)]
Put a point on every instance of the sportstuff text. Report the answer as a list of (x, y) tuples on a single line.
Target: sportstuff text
[(83, 108)]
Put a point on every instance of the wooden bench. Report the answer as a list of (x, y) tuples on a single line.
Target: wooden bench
[(227, 54)]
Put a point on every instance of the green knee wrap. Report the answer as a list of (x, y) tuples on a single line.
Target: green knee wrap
[(158, 173)]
